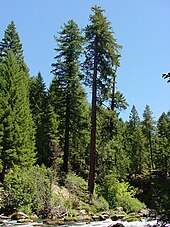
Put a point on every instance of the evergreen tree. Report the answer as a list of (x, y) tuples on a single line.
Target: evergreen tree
[(65, 89), (17, 135), (79, 133), (117, 104), (11, 41), (112, 156), (149, 132), (163, 143), (38, 105), (135, 144), (101, 58)]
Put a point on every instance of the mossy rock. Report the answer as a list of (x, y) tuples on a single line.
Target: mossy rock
[(131, 219), (84, 218), (116, 217), (70, 219), (55, 222)]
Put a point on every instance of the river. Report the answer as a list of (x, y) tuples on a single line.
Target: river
[(144, 223)]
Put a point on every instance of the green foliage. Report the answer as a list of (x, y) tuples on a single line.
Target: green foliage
[(11, 41), (45, 122), (57, 121), (100, 45), (162, 203), (17, 133), (28, 190), (120, 194), (68, 97), (112, 154), (135, 144), (148, 126), (120, 102), (101, 60), (100, 204), (162, 156), (77, 185)]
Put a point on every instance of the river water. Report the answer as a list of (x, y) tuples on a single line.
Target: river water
[(105, 223)]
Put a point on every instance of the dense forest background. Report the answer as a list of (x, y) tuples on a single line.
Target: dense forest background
[(51, 132)]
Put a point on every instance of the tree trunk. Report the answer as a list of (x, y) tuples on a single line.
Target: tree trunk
[(112, 106), (150, 147), (91, 181), (67, 131), (113, 94)]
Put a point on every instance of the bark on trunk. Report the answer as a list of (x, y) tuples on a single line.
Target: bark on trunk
[(91, 181), (112, 106), (150, 147), (67, 132)]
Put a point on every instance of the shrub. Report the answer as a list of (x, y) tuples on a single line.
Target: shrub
[(28, 190), (77, 186), (100, 204), (120, 194)]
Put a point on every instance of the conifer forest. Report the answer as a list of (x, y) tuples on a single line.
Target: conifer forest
[(57, 136)]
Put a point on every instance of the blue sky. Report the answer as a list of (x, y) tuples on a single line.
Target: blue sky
[(142, 27)]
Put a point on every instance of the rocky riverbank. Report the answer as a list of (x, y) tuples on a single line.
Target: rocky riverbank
[(119, 219)]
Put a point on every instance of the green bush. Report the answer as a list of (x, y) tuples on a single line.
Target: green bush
[(120, 194), (77, 186), (100, 204), (131, 204), (28, 190)]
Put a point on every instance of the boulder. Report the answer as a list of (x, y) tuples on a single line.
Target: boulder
[(116, 217), (144, 213), (34, 217), (104, 217), (2, 221), (117, 225), (84, 218), (2, 216), (55, 222), (119, 209), (96, 218), (19, 215)]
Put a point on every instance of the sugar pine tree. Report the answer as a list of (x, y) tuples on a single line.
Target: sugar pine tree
[(11, 41), (17, 134), (101, 59), (65, 91)]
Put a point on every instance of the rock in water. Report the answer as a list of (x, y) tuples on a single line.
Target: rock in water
[(116, 225), (18, 215)]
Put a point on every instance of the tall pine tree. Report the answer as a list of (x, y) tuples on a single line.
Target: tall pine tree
[(101, 59), (66, 92), (149, 132)]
